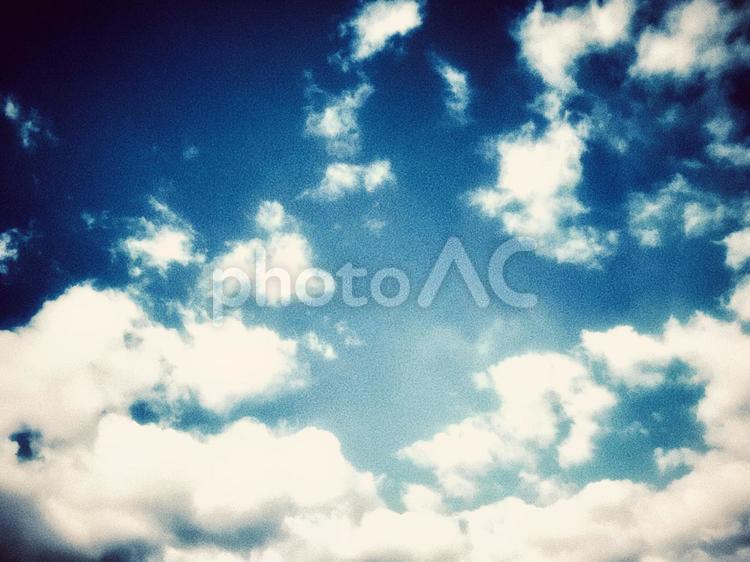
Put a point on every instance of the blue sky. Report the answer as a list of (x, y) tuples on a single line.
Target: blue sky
[(144, 148)]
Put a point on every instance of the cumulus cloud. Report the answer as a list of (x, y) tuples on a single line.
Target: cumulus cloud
[(341, 179), (537, 393), (280, 250), (631, 358), (99, 480), (161, 243), (336, 122), (535, 193), (738, 248), (457, 93), (552, 43), (695, 36), (676, 207), (377, 23), (739, 300)]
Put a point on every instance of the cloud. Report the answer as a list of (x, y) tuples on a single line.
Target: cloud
[(160, 244), (191, 152), (552, 43), (317, 345), (29, 125), (99, 480), (695, 36), (738, 248), (721, 149), (739, 300), (280, 247), (535, 193), (336, 123), (555, 389), (9, 241), (631, 358), (457, 92), (674, 458), (377, 23), (146, 483), (341, 179), (677, 207)]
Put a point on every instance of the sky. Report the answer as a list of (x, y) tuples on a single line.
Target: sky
[(161, 402)]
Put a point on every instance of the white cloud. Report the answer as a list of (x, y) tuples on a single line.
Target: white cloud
[(101, 480), (8, 248), (280, 247), (552, 43), (417, 497), (341, 179), (537, 393), (738, 248), (631, 358), (28, 123), (135, 482), (739, 301), (721, 149), (160, 244), (336, 123), (695, 36), (535, 193), (11, 109), (674, 458), (377, 23), (316, 344), (457, 91), (677, 207)]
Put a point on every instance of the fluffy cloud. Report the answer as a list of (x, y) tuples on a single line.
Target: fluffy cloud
[(148, 483), (161, 243), (554, 388), (341, 179), (100, 480), (676, 207), (281, 250), (336, 123), (695, 36), (738, 248), (535, 193), (739, 301), (377, 23), (552, 43), (457, 91), (631, 358)]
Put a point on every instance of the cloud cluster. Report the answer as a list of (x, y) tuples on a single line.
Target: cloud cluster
[(695, 36), (676, 207), (535, 194)]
